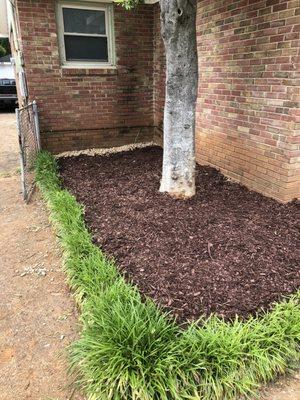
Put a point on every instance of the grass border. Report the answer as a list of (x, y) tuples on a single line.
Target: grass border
[(130, 349)]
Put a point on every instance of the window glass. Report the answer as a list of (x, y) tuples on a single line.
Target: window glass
[(84, 21), (85, 48), (86, 34)]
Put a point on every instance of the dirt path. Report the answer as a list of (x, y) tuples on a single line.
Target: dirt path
[(9, 156), (284, 389), (37, 315)]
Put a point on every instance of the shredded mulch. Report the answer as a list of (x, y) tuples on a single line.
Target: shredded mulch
[(227, 250)]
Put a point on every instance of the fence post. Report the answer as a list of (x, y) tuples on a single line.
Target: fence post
[(23, 185), (36, 124)]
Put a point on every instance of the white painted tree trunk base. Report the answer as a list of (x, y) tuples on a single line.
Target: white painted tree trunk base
[(178, 180), (180, 191)]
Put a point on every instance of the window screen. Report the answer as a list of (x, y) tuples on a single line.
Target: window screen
[(84, 48)]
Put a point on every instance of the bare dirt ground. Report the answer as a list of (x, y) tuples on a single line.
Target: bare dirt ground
[(38, 318), (9, 157), (284, 389)]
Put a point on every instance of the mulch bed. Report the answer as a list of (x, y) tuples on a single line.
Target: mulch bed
[(227, 250)]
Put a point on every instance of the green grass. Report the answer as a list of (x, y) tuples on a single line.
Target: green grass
[(130, 349)]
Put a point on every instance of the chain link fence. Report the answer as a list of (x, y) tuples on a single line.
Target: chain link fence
[(29, 141)]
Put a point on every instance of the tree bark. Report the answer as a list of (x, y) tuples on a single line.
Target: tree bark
[(178, 27)]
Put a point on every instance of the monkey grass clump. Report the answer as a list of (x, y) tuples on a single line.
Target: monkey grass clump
[(129, 349)]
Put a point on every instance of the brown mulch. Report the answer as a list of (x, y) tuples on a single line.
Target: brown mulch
[(227, 250)]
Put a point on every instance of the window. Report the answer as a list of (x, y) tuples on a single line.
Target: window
[(86, 34)]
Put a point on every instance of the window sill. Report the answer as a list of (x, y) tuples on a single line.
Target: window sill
[(89, 71)]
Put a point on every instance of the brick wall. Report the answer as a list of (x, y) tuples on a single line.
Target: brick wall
[(82, 108), (248, 114), (248, 99)]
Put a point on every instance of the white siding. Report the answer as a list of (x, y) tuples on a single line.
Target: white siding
[(3, 19)]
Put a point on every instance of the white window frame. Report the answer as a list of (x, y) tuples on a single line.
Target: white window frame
[(107, 7)]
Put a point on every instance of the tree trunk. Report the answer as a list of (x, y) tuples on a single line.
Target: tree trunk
[(178, 27)]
